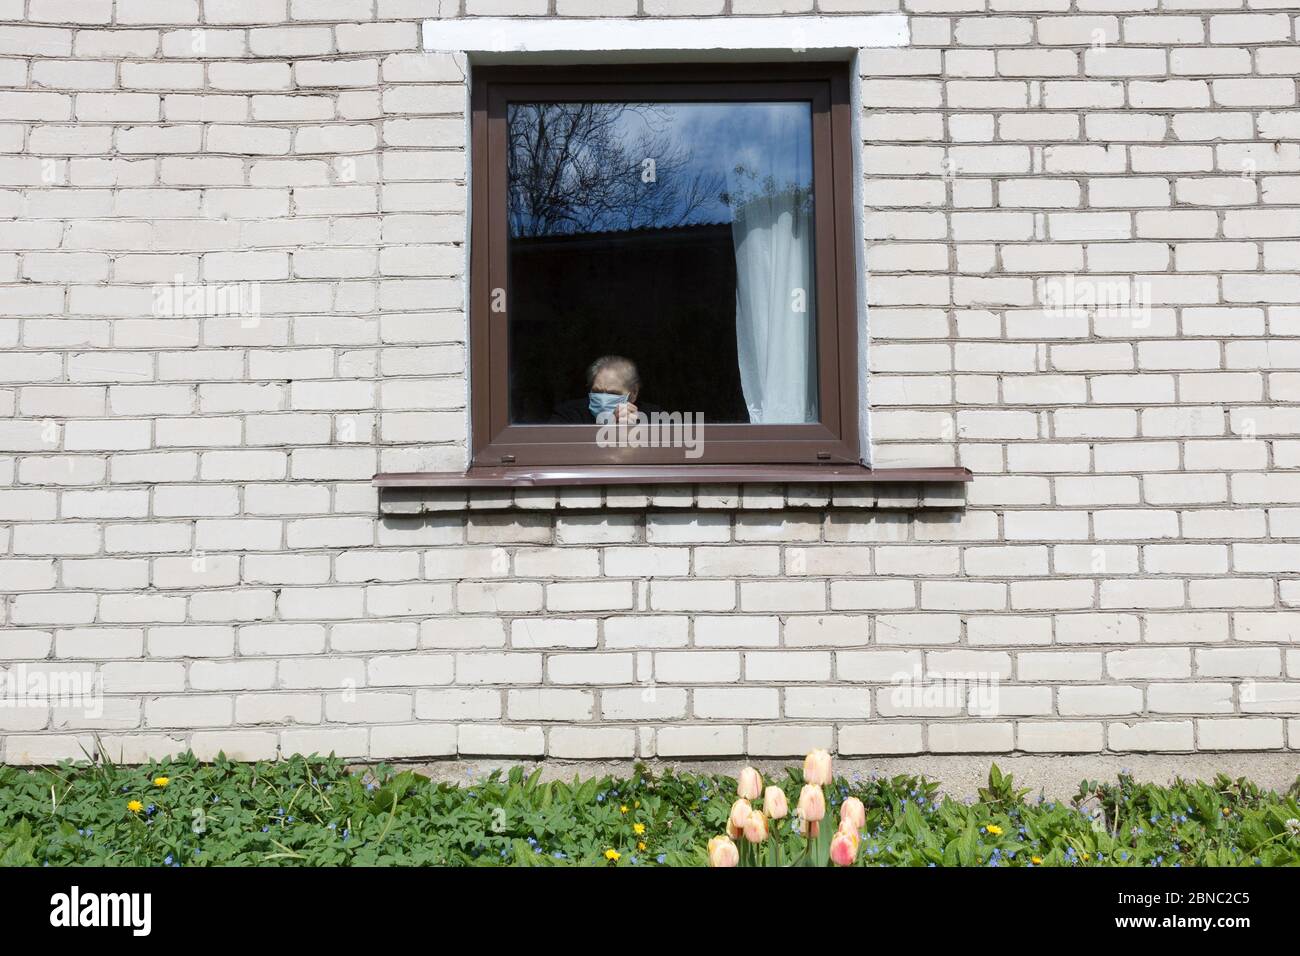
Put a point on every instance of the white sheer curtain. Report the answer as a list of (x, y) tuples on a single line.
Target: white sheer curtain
[(775, 336)]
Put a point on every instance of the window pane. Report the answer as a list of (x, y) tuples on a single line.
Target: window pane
[(676, 235)]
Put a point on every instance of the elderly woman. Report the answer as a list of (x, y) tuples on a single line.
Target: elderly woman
[(613, 385)]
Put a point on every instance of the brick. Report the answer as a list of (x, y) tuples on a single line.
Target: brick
[(1245, 733)]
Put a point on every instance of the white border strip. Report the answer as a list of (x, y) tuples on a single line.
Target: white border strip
[(538, 35), (865, 450)]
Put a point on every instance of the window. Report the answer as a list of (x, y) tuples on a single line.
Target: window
[(692, 227)]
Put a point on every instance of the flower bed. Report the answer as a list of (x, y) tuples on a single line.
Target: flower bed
[(315, 812)]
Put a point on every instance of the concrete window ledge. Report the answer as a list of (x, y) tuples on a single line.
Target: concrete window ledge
[(765, 488)]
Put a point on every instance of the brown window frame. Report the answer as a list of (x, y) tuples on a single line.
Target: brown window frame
[(494, 440)]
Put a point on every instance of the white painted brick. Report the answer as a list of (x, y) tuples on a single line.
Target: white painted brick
[(1060, 737), (411, 741), (952, 737), (733, 703), (1127, 532), (592, 742), (1246, 733), (497, 740)]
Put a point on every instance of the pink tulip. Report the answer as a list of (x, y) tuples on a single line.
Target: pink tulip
[(756, 827), (817, 768), (723, 853), (844, 848), (750, 784), (812, 803), (853, 812), (774, 804), (740, 811)]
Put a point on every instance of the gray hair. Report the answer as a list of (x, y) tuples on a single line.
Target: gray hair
[(624, 366)]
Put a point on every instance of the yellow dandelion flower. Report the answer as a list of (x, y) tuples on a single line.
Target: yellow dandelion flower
[(638, 828), (612, 854), (135, 806), (1227, 812), (1036, 860), (641, 845), (1086, 858), (161, 781), (623, 808), (994, 829)]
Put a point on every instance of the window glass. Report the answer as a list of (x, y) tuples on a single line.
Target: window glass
[(675, 235)]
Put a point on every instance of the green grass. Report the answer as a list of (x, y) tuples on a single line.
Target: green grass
[(315, 812)]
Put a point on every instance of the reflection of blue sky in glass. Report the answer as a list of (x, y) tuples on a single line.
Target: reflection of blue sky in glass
[(709, 157)]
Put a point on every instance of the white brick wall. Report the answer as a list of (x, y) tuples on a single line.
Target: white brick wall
[(186, 518)]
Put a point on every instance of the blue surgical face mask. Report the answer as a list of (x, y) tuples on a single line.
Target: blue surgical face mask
[(603, 403)]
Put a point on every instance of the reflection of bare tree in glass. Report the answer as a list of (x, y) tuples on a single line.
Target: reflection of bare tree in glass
[(573, 170), (747, 186)]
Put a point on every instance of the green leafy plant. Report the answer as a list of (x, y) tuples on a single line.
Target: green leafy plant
[(315, 811)]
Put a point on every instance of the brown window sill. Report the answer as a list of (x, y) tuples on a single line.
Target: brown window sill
[(586, 476), (702, 487)]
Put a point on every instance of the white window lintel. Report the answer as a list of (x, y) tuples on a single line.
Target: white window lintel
[(537, 35)]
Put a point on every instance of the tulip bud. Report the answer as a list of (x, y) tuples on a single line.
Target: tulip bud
[(723, 853), (756, 827), (812, 803), (774, 804), (844, 848), (740, 811), (853, 813), (817, 768), (750, 784)]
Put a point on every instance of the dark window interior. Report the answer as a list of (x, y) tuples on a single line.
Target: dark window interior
[(671, 285)]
